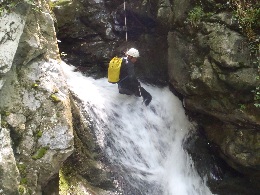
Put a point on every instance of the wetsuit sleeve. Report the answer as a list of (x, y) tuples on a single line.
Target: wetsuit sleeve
[(133, 82), (131, 71), (128, 80)]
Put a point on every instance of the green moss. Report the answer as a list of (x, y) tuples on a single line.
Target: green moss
[(58, 3), (63, 183), (195, 15), (5, 113), (4, 124), (22, 189), (248, 16), (23, 181), (10, 5), (256, 93), (22, 169), (40, 153), (242, 107), (35, 85), (54, 98), (39, 134)]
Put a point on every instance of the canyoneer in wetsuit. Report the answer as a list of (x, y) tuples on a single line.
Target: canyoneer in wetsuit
[(128, 83)]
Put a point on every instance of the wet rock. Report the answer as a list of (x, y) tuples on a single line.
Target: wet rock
[(34, 104), (9, 173), (212, 67), (86, 170), (91, 33), (207, 64), (220, 177), (11, 32)]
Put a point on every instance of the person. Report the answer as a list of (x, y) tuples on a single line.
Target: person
[(128, 83)]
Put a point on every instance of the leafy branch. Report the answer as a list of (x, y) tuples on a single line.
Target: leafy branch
[(9, 5), (247, 13)]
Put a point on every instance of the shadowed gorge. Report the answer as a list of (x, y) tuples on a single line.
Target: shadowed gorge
[(65, 129)]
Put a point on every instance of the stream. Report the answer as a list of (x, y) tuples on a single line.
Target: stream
[(144, 143)]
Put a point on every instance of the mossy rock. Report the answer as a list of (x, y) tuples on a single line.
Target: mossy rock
[(55, 98), (40, 153)]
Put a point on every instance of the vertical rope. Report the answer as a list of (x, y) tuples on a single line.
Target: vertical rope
[(125, 21)]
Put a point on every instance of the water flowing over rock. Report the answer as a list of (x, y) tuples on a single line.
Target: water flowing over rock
[(207, 60), (146, 154)]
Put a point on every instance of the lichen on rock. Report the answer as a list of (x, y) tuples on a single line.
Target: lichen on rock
[(33, 58)]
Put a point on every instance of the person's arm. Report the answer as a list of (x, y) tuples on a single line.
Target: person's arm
[(131, 76), (131, 71)]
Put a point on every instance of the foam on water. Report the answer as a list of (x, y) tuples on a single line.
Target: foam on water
[(145, 143)]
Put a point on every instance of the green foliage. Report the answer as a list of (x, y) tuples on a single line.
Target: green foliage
[(195, 15), (257, 105), (22, 169), (40, 153), (5, 113), (256, 97), (256, 91), (9, 5), (23, 181), (31, 2), (22, 190), (247, 13), (4, 123), (63, 182), (53, 4), (39, 134), (242, 106)]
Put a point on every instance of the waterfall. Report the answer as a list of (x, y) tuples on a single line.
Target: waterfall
[(144, 143)]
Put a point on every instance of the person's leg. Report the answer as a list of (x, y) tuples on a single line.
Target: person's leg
[(147, 98), (134, 86), (124, 91), (137, 92)]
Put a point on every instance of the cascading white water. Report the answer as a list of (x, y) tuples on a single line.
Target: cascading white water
[(145, 143)]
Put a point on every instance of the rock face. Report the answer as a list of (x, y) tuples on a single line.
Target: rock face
[(205, 56), (8, 169), (92, 32), (212, 66), (87, 169), (36, 122), (207, 59)]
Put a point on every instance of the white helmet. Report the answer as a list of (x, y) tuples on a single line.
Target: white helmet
[(133, 52)]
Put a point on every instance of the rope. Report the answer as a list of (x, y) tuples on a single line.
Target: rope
[(125, 22)]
